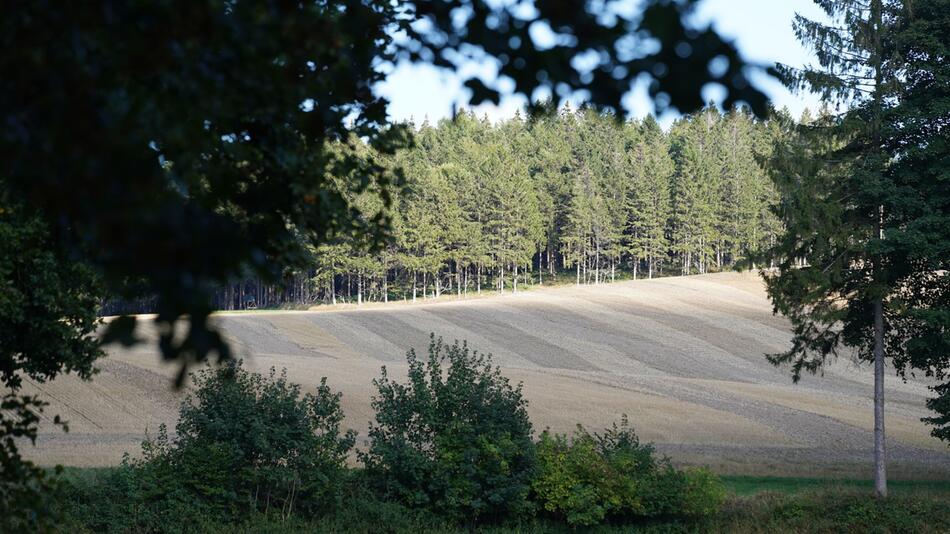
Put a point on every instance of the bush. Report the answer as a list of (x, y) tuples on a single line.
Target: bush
[(455, 438), (613, 476), (275, 448), (26, 490), (246, 443)]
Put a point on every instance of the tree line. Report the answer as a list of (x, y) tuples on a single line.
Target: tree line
[(574, 194)]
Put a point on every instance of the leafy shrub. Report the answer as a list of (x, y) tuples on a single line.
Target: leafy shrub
[(26, 490), (275, 447), (246, 443), (455, 438), (595, 477)]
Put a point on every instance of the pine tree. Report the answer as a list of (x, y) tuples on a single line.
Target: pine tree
[(918, 218), (833, 280), (695, 189), (513, 218), (548, 155), (741, 188), (650, 161)]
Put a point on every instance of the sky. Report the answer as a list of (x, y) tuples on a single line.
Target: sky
[(761, 29)]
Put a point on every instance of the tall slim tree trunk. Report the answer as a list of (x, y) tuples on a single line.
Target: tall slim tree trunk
[(880, 457), (478, 278), (514, 283), (414, 277), (540, 268), (597, 264)]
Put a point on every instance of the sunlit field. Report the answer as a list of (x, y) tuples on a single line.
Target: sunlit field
[(682, 357)]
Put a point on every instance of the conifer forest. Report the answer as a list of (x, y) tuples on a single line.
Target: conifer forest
[(572, 196)]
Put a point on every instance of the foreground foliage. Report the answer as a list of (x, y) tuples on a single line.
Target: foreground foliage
[(245, 444), (821, 511), (450, 447), (595, 477), (455, 438), (451, 450), (47, 313)]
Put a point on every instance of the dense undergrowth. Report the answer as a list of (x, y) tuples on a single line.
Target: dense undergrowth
[(450, 449)]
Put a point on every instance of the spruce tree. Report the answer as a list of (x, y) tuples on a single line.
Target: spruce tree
[(695, 189), (650, 199), (741, 188), (548, 158), (918, 214), (834, 282)]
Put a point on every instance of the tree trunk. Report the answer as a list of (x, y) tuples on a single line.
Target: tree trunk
[(880, 459), (514, 283), (478, 278), (540, 267), (414, 284), (597, 264)]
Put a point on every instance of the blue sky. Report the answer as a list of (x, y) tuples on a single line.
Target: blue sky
[(761, 30)]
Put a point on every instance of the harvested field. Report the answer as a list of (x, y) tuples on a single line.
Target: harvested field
[(683, 357)]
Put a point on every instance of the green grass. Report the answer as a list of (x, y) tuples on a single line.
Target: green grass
[(756, 505), (751, 485), (740, 485)]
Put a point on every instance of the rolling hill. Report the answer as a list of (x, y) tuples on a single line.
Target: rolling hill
[(683, 357)]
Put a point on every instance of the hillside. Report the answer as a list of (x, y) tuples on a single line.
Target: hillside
[(683, 357)]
